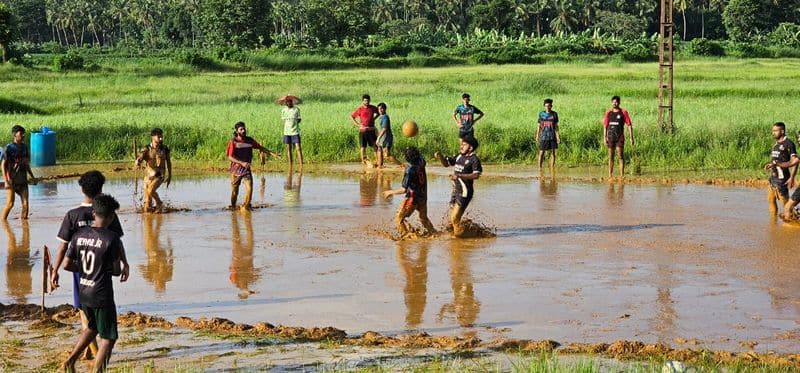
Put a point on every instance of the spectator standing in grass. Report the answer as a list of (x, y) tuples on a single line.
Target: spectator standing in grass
[(364, 118), (385, 137), (465, 116), (547, 134), (290, 114), (614, 135)]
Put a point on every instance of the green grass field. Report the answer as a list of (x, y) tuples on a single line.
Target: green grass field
[(724, 108)]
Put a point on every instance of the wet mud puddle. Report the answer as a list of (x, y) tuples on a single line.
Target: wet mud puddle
[(687, 265)]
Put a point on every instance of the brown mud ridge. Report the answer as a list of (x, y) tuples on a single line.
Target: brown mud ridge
[(163, 210), (256, 206), (473, 229), (628, 350), (665, 180)]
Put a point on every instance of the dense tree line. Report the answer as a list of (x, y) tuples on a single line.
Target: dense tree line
[(315, 23)]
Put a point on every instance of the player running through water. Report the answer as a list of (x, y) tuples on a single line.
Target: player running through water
[(466, 169), (415, 188), (782, 168), (240, 153)]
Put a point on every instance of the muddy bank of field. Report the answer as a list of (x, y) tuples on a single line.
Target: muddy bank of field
[(36, 340), (682, 265)]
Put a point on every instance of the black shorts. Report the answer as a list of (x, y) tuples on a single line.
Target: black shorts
[(367, 138), (796, 195), (462, 133), (460, 200), (103, 320), (548, 145), (780, 187)]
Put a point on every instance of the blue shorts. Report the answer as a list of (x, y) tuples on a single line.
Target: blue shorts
[(76, 290), (291, 139)]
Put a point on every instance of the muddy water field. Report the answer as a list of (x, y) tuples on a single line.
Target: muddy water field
[(680, 266)]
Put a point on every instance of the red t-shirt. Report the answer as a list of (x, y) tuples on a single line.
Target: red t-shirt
[(242, 149), (367, 115), (617, 119)]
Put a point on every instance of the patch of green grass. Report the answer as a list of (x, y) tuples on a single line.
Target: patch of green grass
[(723, 109)]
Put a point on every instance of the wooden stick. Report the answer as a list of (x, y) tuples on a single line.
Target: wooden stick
[(45, 267)]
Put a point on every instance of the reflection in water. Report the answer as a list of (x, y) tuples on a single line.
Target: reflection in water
[(19, 264), (549, 188), (385, 183), (291, 190), (243, 272), (665, 319), (368, 188), (616, 194), (45, 188), (781, 266), (413, 260), (465, 306), (158, 268)]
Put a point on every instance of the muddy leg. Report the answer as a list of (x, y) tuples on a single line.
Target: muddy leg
[(422, 210), (379, 156), (400, 219), (103, 355), (23, 195), (235, 182), (289, 154), (456, 212), (621, 155), (91, 351), (552, 161), (788, 209), (610, 162), (364, 155), (772, 197), (248, 191), (299, 154), (541, 158), (9, 203)]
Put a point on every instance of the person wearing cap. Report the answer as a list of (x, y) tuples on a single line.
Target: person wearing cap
[(465, 116), (16, 166), (290, 114), (466, 169), (240, 153)]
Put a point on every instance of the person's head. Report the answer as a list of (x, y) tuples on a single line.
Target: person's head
[(104, 208), (548, 104), (91, 183), (382, 108), (290, 103), (465, 98), (778, 130), (239, 129), (157, 136), (18, 132), (615, 102), (468, 145), (365, 99), (412, 155)]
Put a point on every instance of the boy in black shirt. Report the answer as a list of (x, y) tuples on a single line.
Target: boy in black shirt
[(91, 184), (467, 168), (782, 167), (96, 253), (415, 187)]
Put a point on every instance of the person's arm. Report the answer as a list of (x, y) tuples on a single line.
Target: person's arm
[(393, 192), (446, 162), (169, 169), (233, 159), (538, 129), (140, 157), (478, 115), (353, 117), (123, 259), (264, 150), (60, 252), (630, 126), (3, 165), (68, 263), (456, 118), (605, 128), (555, 127)]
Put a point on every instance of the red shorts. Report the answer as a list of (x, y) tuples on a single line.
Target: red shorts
[(618, 144)]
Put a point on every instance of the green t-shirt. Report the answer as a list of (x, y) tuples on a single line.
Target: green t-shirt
[(291, 121)]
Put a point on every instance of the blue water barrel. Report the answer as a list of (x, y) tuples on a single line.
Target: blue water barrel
[(43, 148)]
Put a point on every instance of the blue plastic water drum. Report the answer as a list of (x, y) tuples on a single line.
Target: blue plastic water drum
[(43, 148)]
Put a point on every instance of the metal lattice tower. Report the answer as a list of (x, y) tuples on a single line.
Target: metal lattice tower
[(665, 60)]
